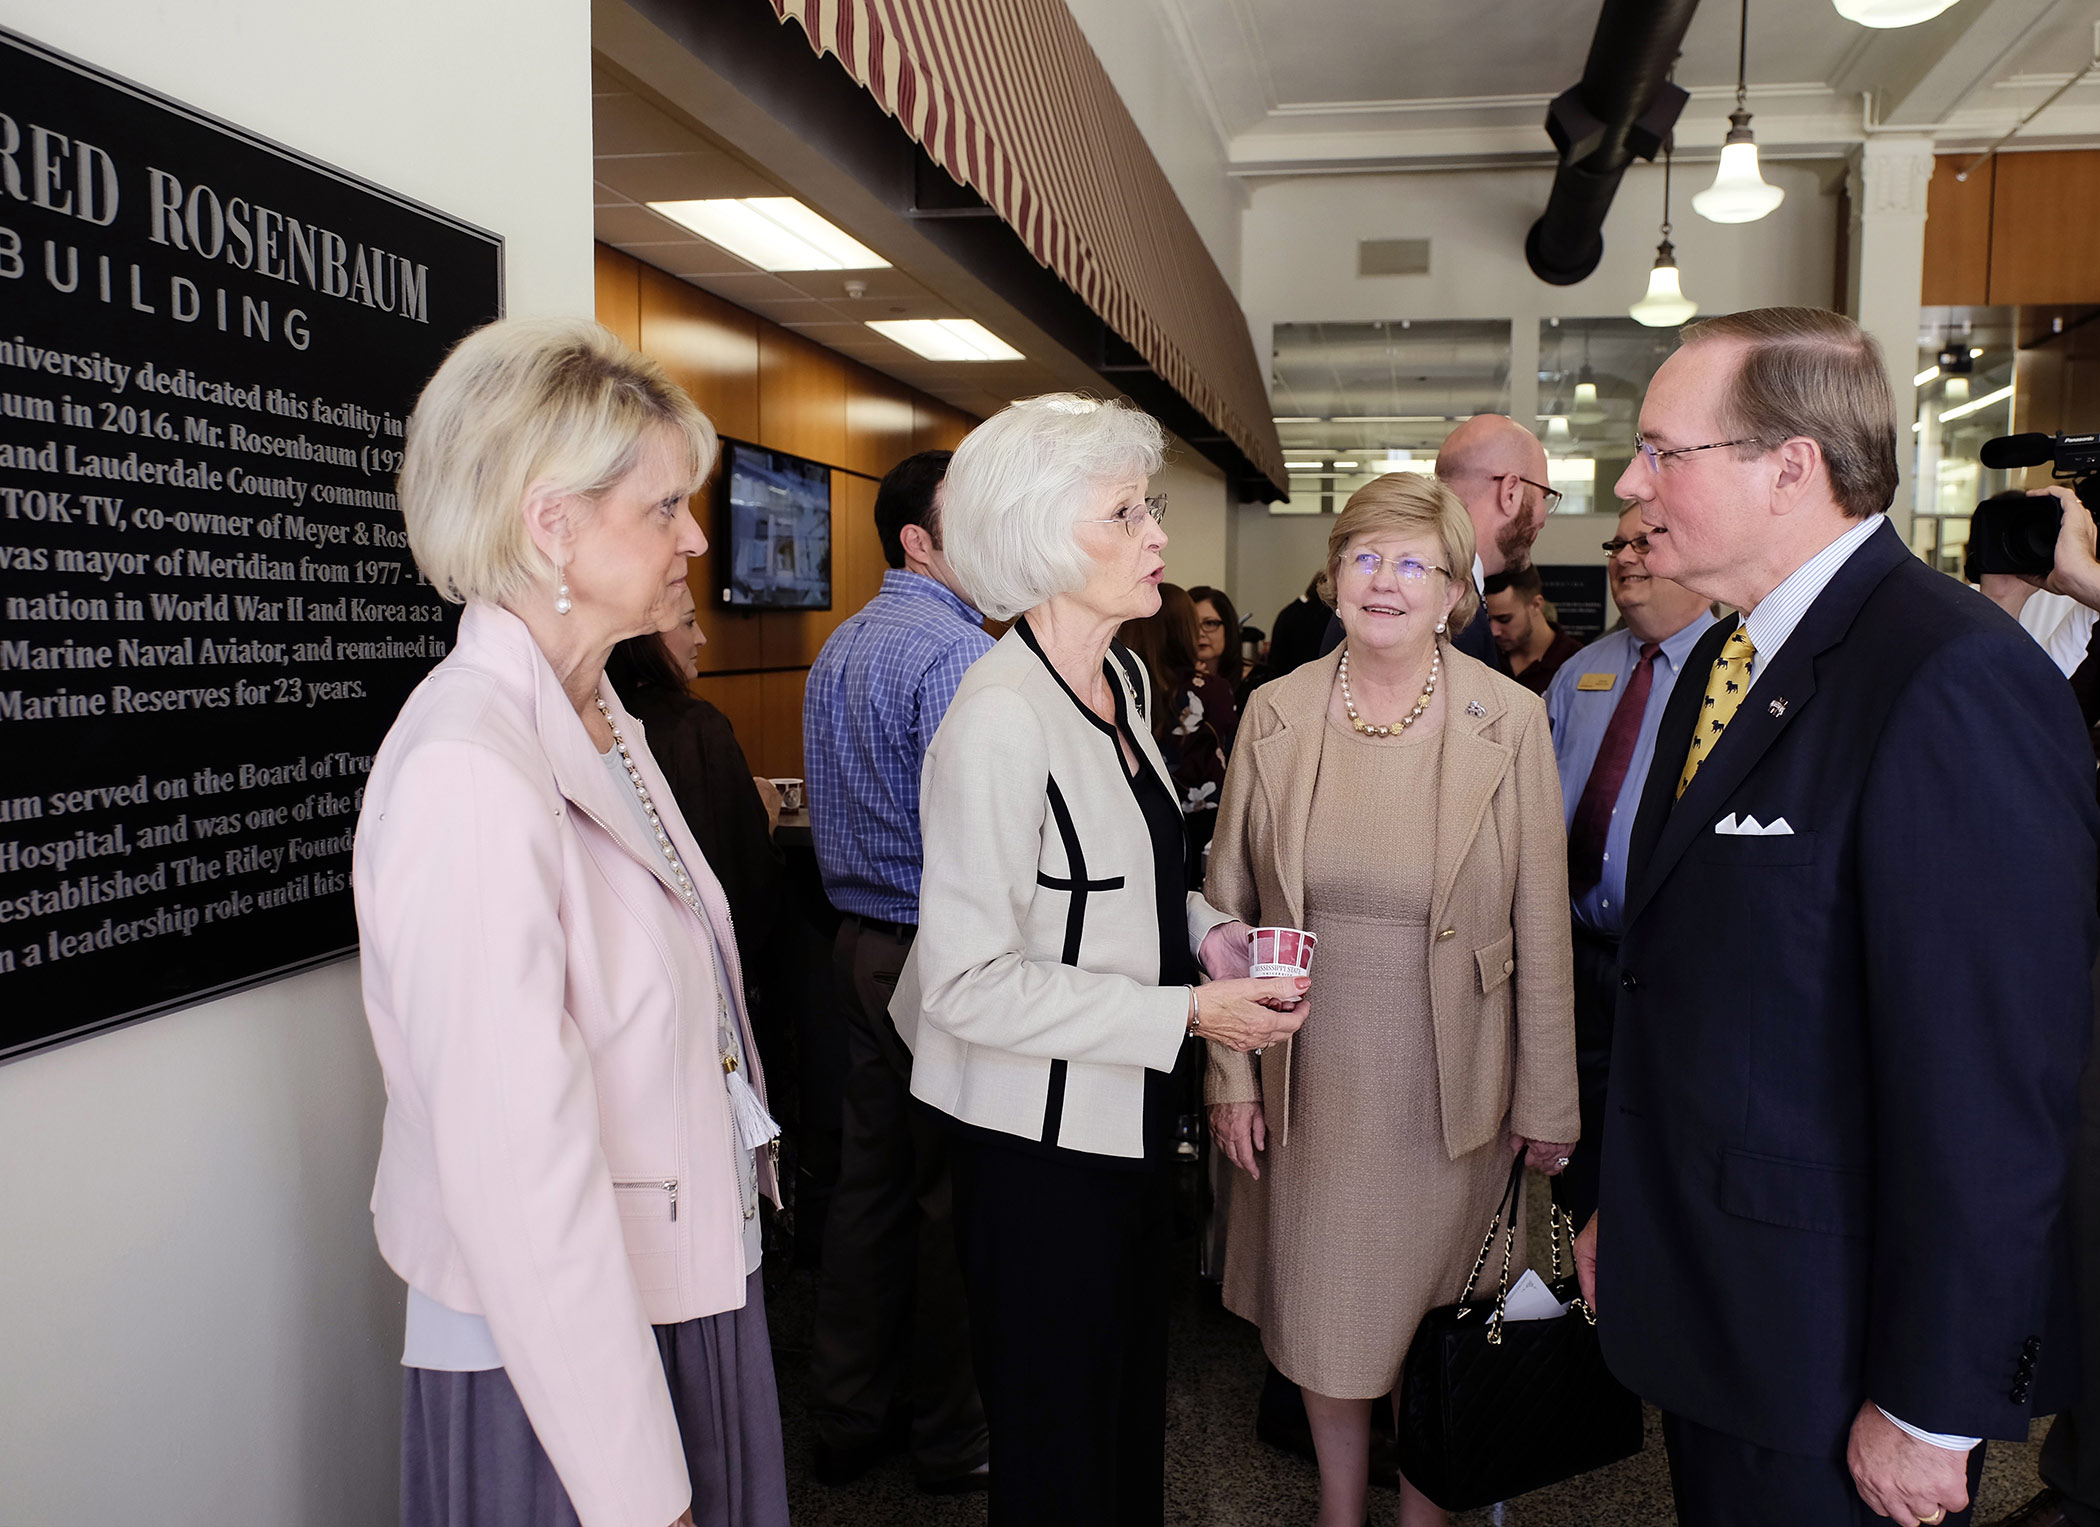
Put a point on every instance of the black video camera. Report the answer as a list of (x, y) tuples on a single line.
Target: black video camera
[(2013, 533)]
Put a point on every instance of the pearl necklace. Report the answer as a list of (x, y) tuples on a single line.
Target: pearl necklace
[(686, 888), (754, 1125), (1436, 668)]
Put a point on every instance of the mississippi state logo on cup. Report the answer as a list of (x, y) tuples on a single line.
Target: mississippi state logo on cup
[(1282, 952)]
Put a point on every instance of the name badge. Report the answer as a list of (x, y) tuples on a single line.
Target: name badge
[(1597, 681)]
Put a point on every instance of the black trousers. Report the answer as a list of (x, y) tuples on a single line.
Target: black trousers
[(1596, 1002), (1067, 1267), (1723, 1481), (891, 1318), (2071, 1455)]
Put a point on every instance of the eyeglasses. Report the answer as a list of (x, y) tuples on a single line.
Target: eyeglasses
[(1408, 569), (1655, 458), (1553, 495), (1132, 517), (1619, 543), (1211, 626)]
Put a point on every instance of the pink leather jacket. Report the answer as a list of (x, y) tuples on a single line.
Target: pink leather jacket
[(558, 1152)]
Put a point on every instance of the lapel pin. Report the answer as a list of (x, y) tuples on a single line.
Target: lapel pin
[(1475, 708), (1779, 707)]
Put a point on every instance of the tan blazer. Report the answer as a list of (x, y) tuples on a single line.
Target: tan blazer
[(1501, 981)]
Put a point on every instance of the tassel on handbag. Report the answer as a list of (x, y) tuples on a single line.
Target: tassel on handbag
[(754, 1126)]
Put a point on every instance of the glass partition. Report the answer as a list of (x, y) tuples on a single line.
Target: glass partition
[(1356, 400), (1592, 375)]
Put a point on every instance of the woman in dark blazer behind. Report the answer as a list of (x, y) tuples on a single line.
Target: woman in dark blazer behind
[(731, 813), (1051, 986)]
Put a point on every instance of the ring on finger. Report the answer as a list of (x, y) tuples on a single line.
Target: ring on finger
[(1939, 1515)]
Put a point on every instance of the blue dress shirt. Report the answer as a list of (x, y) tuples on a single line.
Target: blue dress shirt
[(1580, 717), (876, 696)]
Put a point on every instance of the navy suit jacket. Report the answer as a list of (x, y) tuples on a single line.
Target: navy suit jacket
[(1845, 1071)]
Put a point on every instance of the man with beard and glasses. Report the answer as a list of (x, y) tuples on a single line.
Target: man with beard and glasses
[(1498, 470)]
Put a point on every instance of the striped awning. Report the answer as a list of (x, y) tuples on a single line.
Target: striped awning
[(1008, 97)]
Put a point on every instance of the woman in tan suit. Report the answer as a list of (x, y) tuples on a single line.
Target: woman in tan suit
[(1399, 799)]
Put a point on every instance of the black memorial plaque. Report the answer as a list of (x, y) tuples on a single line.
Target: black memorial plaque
[(209, 346), (1577, 593)]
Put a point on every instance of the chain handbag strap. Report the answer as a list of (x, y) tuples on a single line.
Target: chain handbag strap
[(1557, 1221), (1504, 1224)]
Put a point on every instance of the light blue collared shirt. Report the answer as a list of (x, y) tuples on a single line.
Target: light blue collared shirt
[(1580, 718), (1779, 612)]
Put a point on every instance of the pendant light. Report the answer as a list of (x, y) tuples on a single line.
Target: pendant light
[(1739, 193), (1665, 306), (1890, 13), (1587, 409)]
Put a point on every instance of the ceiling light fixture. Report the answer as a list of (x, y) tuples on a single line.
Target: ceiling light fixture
[(1955, 390), (1665, 305), (1739, 193), (1924, 376), (1972, 406), (1890, 13), (1557, 431), (946, 339), (772, 232)]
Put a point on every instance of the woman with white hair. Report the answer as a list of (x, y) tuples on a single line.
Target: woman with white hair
[(575, 1132), (1053, 981)]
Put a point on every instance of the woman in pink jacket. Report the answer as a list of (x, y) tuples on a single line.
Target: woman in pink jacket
[(576, 1136)]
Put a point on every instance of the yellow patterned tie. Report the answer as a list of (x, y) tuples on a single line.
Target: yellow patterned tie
[(1724, 693)]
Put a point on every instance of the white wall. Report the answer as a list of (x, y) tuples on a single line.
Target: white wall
[(1298, 249), (194, 1324), (1199, 517)]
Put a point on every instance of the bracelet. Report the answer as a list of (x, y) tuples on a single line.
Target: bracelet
[(1195, 1013)]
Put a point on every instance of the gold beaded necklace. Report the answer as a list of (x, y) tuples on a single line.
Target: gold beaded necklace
[(1436, 668)]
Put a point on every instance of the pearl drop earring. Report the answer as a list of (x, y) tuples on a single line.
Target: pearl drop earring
[(562, 603), (1441, 627)]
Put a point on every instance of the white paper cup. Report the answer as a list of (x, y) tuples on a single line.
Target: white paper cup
[(1282, 952), (790, 793)]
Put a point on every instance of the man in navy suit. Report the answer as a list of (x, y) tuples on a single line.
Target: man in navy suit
[(1855, 1000)]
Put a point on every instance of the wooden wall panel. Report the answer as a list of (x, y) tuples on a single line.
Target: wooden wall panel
[(880, 422), (780, 703), (619, 297), (709, 346), (801, 397), (856, 550), (769, 385), (1958, 234), (2042, 248), (936, 426)]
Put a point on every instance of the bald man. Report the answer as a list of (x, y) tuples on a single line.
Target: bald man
[(1498, 470)]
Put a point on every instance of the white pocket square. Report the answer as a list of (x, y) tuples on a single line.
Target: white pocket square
[(1748, 827)]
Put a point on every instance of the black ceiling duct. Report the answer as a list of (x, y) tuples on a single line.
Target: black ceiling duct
[(1622, 108)]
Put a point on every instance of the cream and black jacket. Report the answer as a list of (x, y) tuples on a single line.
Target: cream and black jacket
[(1031, 999)]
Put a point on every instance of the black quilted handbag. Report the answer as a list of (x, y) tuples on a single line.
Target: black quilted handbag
[(1491, 1408)]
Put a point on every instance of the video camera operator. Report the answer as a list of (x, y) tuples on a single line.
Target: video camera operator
[(2034, 560)]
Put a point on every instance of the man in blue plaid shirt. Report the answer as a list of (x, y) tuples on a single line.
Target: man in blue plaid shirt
[(890, 1320)]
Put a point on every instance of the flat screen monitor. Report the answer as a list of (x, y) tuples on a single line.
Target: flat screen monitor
[(776, 530)]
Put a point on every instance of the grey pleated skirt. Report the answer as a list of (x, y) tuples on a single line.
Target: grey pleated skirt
[(469, 1457)]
